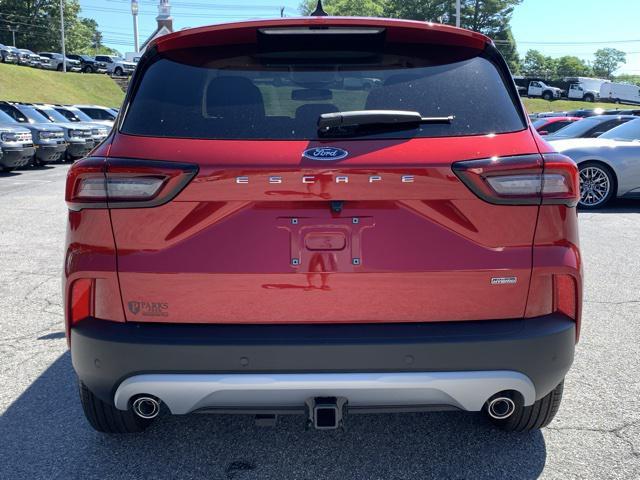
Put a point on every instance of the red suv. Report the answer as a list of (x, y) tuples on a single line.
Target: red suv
[(323, 216)]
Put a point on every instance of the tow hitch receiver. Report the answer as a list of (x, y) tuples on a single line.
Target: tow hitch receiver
[(325, 413)]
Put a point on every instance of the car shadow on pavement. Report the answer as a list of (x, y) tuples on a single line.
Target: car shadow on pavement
[(44, 435)]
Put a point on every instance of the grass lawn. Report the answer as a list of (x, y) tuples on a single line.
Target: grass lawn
[(535, 105), (33, 85)]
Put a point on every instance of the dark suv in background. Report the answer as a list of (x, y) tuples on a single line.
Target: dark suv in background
[(89, 64)]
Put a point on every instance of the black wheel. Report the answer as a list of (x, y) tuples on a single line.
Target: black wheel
[(547, 96), (87, 69), (108, 419), (533, 417), (597, 185), (588, 98), (118, 71), (59, 68)]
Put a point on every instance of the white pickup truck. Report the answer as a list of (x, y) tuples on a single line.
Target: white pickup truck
[(541, 89), (580, 92)]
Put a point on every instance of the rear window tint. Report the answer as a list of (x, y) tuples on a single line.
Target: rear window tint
[(199, 94)]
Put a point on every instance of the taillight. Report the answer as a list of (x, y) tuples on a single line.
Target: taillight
[(522, 180), (121, 183)]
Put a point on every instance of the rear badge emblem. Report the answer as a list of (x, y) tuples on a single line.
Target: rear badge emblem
[(503, 280), (325, 153)]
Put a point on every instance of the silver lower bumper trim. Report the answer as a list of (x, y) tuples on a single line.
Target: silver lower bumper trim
[(185, 393)]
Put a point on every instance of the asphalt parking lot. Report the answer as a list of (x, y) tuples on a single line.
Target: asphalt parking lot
[(43, 433)]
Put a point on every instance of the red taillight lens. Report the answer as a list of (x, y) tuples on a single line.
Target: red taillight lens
[(521, 180), (564, 295), (119, 183), (565, 299), (561, 180), (81, 301)]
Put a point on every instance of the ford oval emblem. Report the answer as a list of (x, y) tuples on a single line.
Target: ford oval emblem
[(325, 153)]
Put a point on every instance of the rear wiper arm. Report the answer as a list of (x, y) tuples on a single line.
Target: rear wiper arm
[(380, 118)]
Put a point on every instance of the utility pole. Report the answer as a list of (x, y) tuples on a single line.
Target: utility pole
[(458, 13), (134, 12), (14, 29), (64, 53)]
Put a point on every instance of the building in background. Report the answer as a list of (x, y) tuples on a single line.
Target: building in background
[(165, 25)]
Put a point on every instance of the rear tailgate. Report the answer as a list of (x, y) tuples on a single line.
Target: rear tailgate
[(254, 239)]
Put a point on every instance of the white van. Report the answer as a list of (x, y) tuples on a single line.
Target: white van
[(620, 92)]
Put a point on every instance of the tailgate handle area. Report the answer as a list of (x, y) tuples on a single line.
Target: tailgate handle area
[(325, 241)]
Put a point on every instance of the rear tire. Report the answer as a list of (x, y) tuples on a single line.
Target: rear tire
[(118, 72), (533, 417), (88, 69), (107, 418)]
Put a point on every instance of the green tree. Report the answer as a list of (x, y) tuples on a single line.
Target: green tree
[(626, 78), (607, 61), (535, 64), (491, 17), (360, 8), (570, 66), (38, 23)]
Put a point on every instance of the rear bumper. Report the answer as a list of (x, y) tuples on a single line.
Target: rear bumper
[(106, 354)]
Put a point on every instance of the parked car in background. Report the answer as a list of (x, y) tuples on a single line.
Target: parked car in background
[(77, 116), (591, 127), (551, 114), (28, 58), (540, 89), (550, 125), (622, 111), (89, 64), (7, 55), (79, 138), (116, 65), (49, 142), (609, 165), (585, 112), (98, 114), (17, 147), (57, 62), (44, 62)]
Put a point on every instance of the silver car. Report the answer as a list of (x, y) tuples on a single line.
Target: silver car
[(609, 165)]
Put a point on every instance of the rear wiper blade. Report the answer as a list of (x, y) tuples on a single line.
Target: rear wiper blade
[(379, 118)]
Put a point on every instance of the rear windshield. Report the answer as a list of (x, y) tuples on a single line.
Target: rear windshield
[(236, 94)]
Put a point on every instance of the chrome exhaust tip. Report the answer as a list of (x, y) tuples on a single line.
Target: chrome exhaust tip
[(500, 408), (146, 407)]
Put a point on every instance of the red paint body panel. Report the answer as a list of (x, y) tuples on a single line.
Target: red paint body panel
[(236, 246), (427, 249), (405, 31)]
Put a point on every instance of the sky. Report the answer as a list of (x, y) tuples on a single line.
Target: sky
[(554, 27)]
